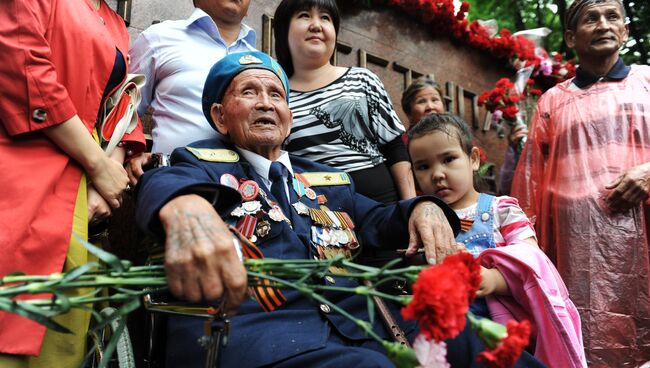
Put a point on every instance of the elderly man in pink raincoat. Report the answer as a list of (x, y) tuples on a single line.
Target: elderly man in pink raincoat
[(584, 178)]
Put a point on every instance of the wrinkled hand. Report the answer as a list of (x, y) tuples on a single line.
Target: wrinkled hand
[(629, 189), (200, 258), (110, 180), (98, 209), (517, 132), (429, 228), (134, 168)]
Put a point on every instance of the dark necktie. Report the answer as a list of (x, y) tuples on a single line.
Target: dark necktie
[(278, 188)]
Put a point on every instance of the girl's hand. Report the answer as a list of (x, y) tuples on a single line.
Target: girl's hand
[(110, 180), (492, 281), (98, 209)]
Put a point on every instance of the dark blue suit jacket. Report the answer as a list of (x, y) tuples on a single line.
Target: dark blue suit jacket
[(299, 325)]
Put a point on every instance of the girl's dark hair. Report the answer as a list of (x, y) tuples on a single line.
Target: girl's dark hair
[(282, 18), (452, 125), (415, 87)]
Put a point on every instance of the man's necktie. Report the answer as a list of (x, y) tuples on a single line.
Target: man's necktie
[(278, 187)]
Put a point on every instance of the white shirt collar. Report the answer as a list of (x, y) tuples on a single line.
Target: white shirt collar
[(261, 164), (246, 33)]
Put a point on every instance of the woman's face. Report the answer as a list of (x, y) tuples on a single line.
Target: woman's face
[(311, 37), (426, 101)]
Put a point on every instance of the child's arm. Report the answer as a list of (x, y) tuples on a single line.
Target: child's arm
[(492, 281)]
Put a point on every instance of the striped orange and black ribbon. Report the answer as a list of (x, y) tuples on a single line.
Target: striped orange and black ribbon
[(269, 297), (466, 224)]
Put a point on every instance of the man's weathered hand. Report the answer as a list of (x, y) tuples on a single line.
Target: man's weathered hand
[(429, 228), (200, 258), (629, 189)]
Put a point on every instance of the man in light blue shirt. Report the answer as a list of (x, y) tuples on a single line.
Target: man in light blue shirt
[(176, 56)]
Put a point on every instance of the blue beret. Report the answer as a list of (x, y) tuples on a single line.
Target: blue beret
[(225, 70)]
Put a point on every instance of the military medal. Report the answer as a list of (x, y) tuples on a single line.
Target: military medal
[(334, 219), (342, 237), (310, 193), (251, 207), (326, 237), (249, 190), (238, 212), (298, 187), (246, 225), (229, 180), (262, 229), (301, 208), (275, 213)]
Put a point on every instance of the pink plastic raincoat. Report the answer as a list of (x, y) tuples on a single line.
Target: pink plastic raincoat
[(580, 140)]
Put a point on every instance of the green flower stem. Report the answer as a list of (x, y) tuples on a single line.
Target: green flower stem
[(308, 291)]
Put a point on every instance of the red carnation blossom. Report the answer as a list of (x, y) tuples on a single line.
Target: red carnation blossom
[(510, 112), (510, 348), (441, 297)]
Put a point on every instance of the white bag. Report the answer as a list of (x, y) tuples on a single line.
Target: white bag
[(120, 112)]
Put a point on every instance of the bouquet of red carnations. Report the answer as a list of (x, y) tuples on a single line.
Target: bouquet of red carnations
[(440, 301)]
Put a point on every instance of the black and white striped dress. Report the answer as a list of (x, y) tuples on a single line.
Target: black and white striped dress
[(345, 124)]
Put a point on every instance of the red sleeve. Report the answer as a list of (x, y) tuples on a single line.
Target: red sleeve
[(31, 97), (135, 141)]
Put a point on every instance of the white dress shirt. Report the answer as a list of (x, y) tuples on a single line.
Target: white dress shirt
[(175, 57)]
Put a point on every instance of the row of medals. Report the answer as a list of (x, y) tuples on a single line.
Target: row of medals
[(330, 229)]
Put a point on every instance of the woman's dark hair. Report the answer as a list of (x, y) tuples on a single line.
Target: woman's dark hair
[(282, 19), (415, 87), (450, 124)]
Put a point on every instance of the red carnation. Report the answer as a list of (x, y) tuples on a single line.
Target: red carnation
[(441, 297), (510, 348), (510, 112)]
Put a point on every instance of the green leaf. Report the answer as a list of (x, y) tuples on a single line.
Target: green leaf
[(34, 313), (371, 309), (106, 257), (76, 272)]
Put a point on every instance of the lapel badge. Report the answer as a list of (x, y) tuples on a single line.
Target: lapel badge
[(262, 229), (310, 193), (322, 199), (251, 207), (249, 190), (229, 180)]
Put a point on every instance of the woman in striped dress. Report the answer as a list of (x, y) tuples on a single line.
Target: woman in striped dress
[(342, 117)]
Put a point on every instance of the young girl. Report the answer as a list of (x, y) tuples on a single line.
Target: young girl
[(519, 282)]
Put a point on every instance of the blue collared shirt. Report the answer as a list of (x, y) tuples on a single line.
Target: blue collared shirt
[(175, 57)]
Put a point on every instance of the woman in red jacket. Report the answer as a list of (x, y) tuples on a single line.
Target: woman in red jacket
[(59, 60)]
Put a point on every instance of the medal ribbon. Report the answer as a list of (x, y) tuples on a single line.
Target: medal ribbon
[(268, 297)]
